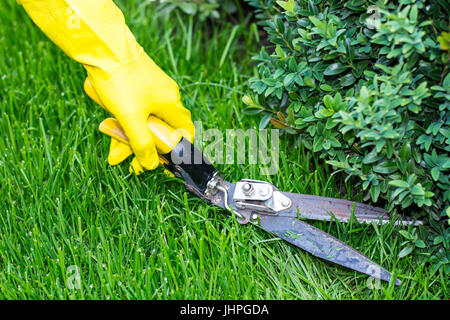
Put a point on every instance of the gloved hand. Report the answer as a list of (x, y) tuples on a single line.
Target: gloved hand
[(119, 151), (131, 94), (126, 81)]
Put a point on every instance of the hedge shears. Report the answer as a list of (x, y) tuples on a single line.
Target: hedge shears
[(263, 204)]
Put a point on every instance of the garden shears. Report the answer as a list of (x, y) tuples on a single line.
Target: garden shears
[(261, 203)]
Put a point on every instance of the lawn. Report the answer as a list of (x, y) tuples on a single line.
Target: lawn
[(63, 209)]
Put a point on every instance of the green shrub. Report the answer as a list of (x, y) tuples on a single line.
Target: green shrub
[(202, 8), (366, 88)]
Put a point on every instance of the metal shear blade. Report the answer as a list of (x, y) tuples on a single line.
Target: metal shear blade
[(327, 209), (265, 197), (253, 201), (322, 245)]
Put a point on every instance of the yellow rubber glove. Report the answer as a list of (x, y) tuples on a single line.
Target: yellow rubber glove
[(118, 151), (125, 79)]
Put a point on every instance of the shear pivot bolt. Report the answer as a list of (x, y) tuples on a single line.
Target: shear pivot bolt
[(247, 188)]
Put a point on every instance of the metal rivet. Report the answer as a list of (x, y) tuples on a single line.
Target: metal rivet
[(286, 203), (264, 191)]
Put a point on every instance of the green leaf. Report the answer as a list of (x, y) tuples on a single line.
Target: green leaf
[(438, 239), (299, 80), (310, 82), (188, 8), (287, 5), (405, 234), (347, 80), (328, 101), (446, 82), (407, 250), (317, 144), (264, 121), (280, 52), (335, 68), (417, 190), (386, 167), (270, 82), (375, 192), (420, 244), (372, 157), (399, 183), (289, 79), (435, 173), (325, 87), (405, 152), (247, 100), (413, 13), (279, 24), (321, 25)]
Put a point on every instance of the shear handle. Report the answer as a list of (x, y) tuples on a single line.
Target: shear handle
[(178, 154)]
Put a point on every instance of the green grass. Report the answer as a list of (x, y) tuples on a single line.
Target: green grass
[(146, 237)]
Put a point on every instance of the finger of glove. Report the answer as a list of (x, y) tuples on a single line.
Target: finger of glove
[(118, 152), (179, 118), (168, 173), (141, 139), (90, 91), (135, 167)]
